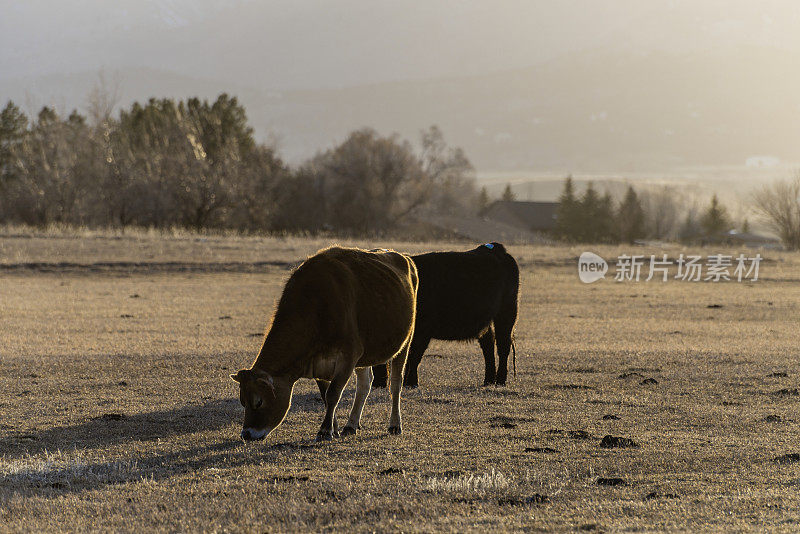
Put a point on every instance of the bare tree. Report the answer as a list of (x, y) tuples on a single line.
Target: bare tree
[(779, 205), (102, 99), (450, 177), (365, 181), (661, 212)]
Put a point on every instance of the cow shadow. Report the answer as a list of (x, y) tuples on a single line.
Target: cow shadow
[(56, 478), (62, 475), (35, 463), (111, 429)]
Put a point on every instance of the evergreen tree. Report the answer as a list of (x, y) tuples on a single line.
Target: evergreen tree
[(182, 162), (630, 217), (221, 126), (568, 213), (715, 219), (587, 211), (483, 200), (13, 127), (508, 194), (746, 227), (47, 117), (605, 219), (690, 230)]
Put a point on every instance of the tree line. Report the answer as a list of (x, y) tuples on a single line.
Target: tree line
[(194, 163), (658, 215)]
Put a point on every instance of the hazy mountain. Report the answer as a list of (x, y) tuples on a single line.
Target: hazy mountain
[(586, 111), (520, 84), (283, 44)]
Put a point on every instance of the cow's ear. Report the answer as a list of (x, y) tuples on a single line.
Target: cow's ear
[(239, 377)]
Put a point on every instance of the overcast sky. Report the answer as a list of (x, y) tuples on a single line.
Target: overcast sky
[(280, 44), (560, 85)]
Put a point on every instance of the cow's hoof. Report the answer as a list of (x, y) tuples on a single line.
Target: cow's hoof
[(410, 386), (377, 384), (500, 382), (487, 383), (395, 430), (348, 431), (324, 436)]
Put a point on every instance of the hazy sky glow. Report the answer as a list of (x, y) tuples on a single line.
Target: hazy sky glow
[(320, 43), (561, 85)]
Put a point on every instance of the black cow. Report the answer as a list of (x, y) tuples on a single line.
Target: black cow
[(462, 296)]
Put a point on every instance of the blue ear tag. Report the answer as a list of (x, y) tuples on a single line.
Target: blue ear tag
[(489, 246)]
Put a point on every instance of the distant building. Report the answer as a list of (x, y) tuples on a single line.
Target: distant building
[(749, 240), (479, 230), (762, 161), (530, 216)]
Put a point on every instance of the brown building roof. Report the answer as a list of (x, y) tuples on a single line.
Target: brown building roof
[(532, 216)]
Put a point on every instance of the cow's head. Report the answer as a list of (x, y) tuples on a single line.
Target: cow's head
[(266, 401)]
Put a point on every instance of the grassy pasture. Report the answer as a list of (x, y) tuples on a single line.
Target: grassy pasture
[(117, 413)]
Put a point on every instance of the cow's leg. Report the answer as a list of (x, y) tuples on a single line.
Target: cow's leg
[(418, 346), (381, 375), (486, 342), (363, 386), (328, 429), (323, 388), (504, 329), (396, 377)]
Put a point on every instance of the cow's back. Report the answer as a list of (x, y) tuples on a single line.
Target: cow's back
[(355, 294), (461, 292)]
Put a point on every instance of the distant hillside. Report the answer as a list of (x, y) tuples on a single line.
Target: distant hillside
[(587, 111)]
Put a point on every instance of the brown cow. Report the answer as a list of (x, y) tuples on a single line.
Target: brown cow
[(341, 310)]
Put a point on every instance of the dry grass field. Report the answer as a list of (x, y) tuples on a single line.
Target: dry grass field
[(117, 412)]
